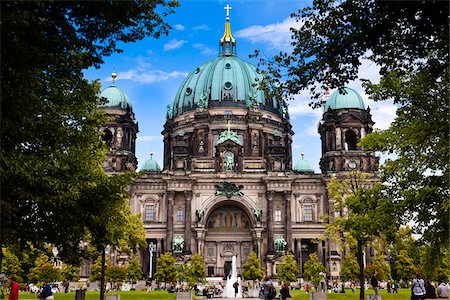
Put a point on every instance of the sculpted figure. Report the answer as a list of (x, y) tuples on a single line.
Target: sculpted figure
[(199, 213), (280, 243), (257, 212), (178, 244)]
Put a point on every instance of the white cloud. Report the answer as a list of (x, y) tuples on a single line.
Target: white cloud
[(205, 49), (179, 27), (148, 138), (174, 44), (143, 75), (201, 27), (276, 36)]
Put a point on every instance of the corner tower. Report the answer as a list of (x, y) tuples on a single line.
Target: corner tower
[(344, 123), (119, 132)]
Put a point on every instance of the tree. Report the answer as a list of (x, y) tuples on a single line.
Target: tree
[(182, 273), (44, 271), (115, 274), (165, 269), (11, 265), (70, 272), (287, 270), (196, 270), (404, 266), (410, 44), (312, 269), (349, 267), (369, 214), (134, 271), (252, 268), (49, 125)]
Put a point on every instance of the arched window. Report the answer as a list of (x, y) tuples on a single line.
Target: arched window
[(107, 137), (351, 139)]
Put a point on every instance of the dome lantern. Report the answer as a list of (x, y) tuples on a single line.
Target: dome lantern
[(151, 165), (303, 166), (227, 42), (115, 96)]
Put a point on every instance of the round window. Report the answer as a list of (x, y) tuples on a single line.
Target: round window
[(228, 85), (188, 91), (227, 66), (197, 70)]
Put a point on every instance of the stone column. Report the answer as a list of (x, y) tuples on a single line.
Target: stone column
[(270, 247), (170, 197), (187, 228), (158, 247), (288, 223)]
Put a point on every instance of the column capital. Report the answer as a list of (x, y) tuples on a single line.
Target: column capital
[(269, 195), (287, 195), (188, 195), (170, 195)]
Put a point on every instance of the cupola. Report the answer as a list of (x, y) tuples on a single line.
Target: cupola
[(150, 165), (347, 98), (115, 96), (303, 166)]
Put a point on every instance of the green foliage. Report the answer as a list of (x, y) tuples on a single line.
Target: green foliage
[(165, 270), (379, 264), (404, 266), (287, 270), (182, 273), (96, 269), (349, 267), (51, 153), (70, 272), (196, 270), (11, 266), (44, 271), (434, 262), (370, 214), (312, 269), (252, 268), (115, 274), (134, 271), (410, 44)]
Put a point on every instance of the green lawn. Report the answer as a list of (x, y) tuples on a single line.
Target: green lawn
[(134, 295), (164, 295), (402, 294)]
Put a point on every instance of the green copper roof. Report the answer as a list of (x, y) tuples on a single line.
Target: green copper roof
[(116, 97), (224, 81), (151, 166), (349, 99), (303, 166)]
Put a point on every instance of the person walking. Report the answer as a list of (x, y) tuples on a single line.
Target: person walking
[(395, 286), (46, 293), (236, 288), (14, 292), (268, 288), (374, 284)]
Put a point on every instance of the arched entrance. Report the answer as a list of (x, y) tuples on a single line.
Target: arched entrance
[(228, 232)]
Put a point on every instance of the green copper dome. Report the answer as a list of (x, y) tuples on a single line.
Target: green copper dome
[(115, 96), (151, 165), (226, 81), (349, 99), (303, 166)]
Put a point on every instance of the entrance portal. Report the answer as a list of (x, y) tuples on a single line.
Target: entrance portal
[(227, 268)]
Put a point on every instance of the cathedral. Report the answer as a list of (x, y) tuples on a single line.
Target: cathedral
[(228, 184)]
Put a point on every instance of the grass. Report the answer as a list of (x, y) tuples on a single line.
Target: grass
[(133, 295), (403, 294)]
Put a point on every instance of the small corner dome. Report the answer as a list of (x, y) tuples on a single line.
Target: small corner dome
[(150, 166), (115, 98), (348, 99), (303, 166)]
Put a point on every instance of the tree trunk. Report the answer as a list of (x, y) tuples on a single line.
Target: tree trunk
[(102, 276), (360, 258)]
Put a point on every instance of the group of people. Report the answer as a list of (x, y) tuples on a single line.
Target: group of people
[(44, 294), (421, 290)]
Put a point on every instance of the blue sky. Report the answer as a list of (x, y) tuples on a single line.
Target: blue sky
[(150, 71)]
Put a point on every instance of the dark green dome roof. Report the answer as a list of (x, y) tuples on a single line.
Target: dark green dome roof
[(151, 165), (349, 99), (115, 96), (303, 166), (226, 81)]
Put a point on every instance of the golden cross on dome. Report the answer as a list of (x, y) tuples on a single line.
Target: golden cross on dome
[(228, 8), (229, 127)]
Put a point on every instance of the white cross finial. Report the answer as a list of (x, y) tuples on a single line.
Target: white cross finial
[(228, 8), (229, 127)]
